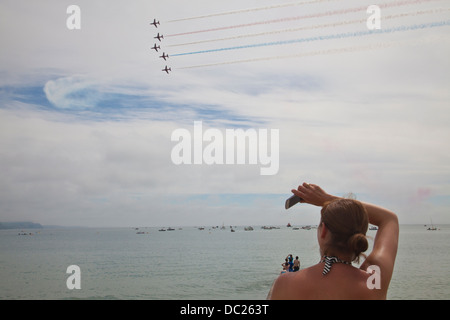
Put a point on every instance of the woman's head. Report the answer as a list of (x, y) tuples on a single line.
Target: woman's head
[(347, 221)]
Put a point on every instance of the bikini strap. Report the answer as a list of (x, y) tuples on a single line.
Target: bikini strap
[(329, 262)]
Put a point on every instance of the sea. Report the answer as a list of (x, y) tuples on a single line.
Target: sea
[(188, 263)]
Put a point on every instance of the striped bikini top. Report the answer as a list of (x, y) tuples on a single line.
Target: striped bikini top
[(329, 262)]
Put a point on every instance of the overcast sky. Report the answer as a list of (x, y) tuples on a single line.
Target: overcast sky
[(87, 115)]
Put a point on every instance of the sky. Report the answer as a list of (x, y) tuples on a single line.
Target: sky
[(87, 114)]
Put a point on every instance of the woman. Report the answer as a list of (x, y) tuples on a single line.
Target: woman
[(342, 240), (285, 266)]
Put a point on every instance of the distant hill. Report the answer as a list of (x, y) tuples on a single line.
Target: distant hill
[(20, 225)]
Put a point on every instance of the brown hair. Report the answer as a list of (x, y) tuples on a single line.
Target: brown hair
[(347, 221)]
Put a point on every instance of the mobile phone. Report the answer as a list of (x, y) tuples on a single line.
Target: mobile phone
[(291, 201)]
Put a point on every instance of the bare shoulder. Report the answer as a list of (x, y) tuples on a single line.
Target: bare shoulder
[(289, 285), (343, 282)]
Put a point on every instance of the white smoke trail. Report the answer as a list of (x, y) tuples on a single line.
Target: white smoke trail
[(370, 47), (320, 26), (249, 10), (302, 17), (325, 37)]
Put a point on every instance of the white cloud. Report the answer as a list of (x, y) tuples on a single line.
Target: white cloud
[(373, 121), (72, 93)]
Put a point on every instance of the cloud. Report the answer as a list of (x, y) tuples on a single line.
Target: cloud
[(87, 116), (72, 93)]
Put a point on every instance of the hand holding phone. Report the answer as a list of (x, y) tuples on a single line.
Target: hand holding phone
[(291, 201)]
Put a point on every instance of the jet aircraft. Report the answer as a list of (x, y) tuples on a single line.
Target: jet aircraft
[(155, 23), (167, 69), (159, 37), (164, 56), (156, 47)]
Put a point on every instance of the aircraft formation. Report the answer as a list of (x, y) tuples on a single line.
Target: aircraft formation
[(157, 47)]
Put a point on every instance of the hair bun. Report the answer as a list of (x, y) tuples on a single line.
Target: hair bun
[(358, 243)]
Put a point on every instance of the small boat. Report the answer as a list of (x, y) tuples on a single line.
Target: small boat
[(289, 225), (162, 229), (248, 228), (432, 228), (373, 228), (170, 229), (269, 227)]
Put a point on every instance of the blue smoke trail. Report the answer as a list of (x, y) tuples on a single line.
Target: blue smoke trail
[(326, 37)]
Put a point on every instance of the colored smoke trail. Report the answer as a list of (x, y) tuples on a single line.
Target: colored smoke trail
[(308, 16), (382, 45), (301, 55), (326, 37), (335, 24), (321, 26), (250, 10)]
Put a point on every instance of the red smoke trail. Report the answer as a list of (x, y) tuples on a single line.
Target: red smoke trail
[(320, 26), (370, 47), (250, 10), (301, 55), (308, 16), (324, 37)]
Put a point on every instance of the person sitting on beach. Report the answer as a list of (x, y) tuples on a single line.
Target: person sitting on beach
[(285, 264), (296, 264), (342, 240), (284, 270)]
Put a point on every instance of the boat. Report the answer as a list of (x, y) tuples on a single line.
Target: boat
[(289, 225), (170, 229), (248, 228), (373, 228), (432, 228), (162, 229), (269, 227)]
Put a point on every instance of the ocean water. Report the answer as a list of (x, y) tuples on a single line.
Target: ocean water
[(193, 264)]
